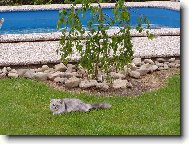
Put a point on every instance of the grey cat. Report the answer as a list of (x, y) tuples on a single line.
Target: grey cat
[(58, 106)]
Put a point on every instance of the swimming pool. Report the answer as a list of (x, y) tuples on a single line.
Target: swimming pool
[(45, 21)]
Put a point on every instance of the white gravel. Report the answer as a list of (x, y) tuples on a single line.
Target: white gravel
[(158, 47), (24, 53)]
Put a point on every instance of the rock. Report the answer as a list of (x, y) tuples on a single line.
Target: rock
[(8, 69), (60, 67), (129, 85), (50, 70), (1, 71), (29, 74), (166, 63), (13, 71), (137, 61), (165, 67), (44, 68), (69, 74), (102, 86), (118, 83), (148, 61), (160, 60), (115, 75), (126, 70), (12, 75), (134, 74), (177, 61), (171, 65), (60, 80), (21, 72), (41, 76), (177, 65), (54, 75), (87, 83), (72, 82), (78, 75), (70, 68), (38, 70), (154, 68), (82, 72), (132, 66), (171, 60), (71, 65), (144, 69), (160, 68), (4, 70), (2, 75), (146, 66), (160, 64)]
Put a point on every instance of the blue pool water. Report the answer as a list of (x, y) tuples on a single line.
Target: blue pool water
[(22, 22)]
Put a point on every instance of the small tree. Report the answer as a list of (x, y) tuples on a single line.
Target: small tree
[(98, 51)]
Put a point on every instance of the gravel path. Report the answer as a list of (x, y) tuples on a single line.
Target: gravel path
[(24, 53)]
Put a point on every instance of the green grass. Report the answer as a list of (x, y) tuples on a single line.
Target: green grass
[(24, 110)]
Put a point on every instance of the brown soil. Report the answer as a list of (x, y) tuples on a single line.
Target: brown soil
[(148, 82)]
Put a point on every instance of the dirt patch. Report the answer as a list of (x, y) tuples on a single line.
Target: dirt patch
[(148, 82)]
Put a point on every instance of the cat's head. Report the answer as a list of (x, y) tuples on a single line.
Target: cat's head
[(57, 106)]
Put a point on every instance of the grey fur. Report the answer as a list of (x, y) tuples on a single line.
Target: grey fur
[(58, 106)]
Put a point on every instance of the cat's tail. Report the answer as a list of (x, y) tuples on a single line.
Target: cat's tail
[(101, 106)]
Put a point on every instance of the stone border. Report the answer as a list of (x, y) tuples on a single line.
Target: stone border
[(70, 76)]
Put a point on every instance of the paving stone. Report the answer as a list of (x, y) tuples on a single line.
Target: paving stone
[(29, 74), (154, 67), (60, 80), (4, 70), (12, 75), (21, 72), (41, 76), (87, 83), (118, 83), (2, 75), (72, 82), (102, 86), (54, 75), (160, 60), (134, 74), (148, 61), (171, 60), (115, 75), (60, 67), (137, 61), (44, 68)]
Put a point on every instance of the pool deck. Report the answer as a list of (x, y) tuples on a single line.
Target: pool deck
[(25, 49)]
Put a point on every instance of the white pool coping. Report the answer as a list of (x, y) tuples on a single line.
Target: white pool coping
[(159, 4)]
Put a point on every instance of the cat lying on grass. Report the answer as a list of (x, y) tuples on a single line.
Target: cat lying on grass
[(58, 106)]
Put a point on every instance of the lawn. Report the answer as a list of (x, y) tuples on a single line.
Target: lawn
[(24, 110)]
